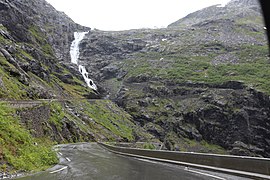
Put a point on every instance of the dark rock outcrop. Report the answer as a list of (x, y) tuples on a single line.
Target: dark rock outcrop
[(37, 119), (172, 85), (189, 85), (24, 20), (217, 115)]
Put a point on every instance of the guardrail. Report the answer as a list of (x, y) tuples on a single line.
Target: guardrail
[(252, 167)]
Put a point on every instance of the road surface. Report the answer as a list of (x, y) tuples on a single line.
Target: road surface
[(88, 161)]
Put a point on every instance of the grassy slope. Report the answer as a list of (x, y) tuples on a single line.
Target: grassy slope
[(108, 119), (17, 146), (200, 69), (100, 117), (189, 58)]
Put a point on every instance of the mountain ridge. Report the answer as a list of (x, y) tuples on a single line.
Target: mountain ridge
[(35, 41), (217, 12), (193, 81), (200, 85)]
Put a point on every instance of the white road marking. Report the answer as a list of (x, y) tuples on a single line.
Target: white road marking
[(205, 174), (186, 168), (146, 160), (59, 170)]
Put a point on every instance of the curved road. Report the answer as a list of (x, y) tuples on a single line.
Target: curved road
[(87, 161)]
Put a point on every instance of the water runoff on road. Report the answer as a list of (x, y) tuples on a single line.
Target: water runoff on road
[(88, 161)]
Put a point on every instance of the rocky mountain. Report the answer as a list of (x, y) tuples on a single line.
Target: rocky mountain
[(43, 97), (241, 3), (230, 11), (201, 84), (23, 19)]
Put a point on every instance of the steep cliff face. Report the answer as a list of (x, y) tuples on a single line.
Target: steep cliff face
[(43, 97), (231, 115), (200, 82), (23, 18), (34, 40)]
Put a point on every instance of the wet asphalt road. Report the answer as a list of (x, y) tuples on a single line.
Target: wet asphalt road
[(87, 161)]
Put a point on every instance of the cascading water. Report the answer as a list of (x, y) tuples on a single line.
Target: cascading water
[(88, 81), (74, 53), (74, 48)]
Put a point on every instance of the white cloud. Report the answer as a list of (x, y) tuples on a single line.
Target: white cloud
[(129, 14)]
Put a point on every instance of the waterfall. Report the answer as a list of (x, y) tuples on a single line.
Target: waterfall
[(74, 48), (88, 81), (74, 54)]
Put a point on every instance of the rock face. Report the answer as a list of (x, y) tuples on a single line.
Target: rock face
[(38, 120), (235, 118), (35, 68), (34, 39), (249, 8), (23, 18), (195, 84), (243, 3), (202, 84), (43, 97)]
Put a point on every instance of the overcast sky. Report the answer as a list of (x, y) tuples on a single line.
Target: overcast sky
[(129, 14)]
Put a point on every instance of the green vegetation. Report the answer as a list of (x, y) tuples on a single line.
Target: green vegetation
[(23, 56), (26, 54), (255, 74), (148, 146), (2, 27), (111, 117), (252, 54), (40, 39), (18, 148), (10, 87), (254, 70), (76, 89), (37, 34), (47, 49), (254, 20), (191, 145), (213, 147), (102, 119), (57, 115), (184, 57)]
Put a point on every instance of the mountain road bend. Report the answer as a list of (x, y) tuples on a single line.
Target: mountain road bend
[(87, 161)]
